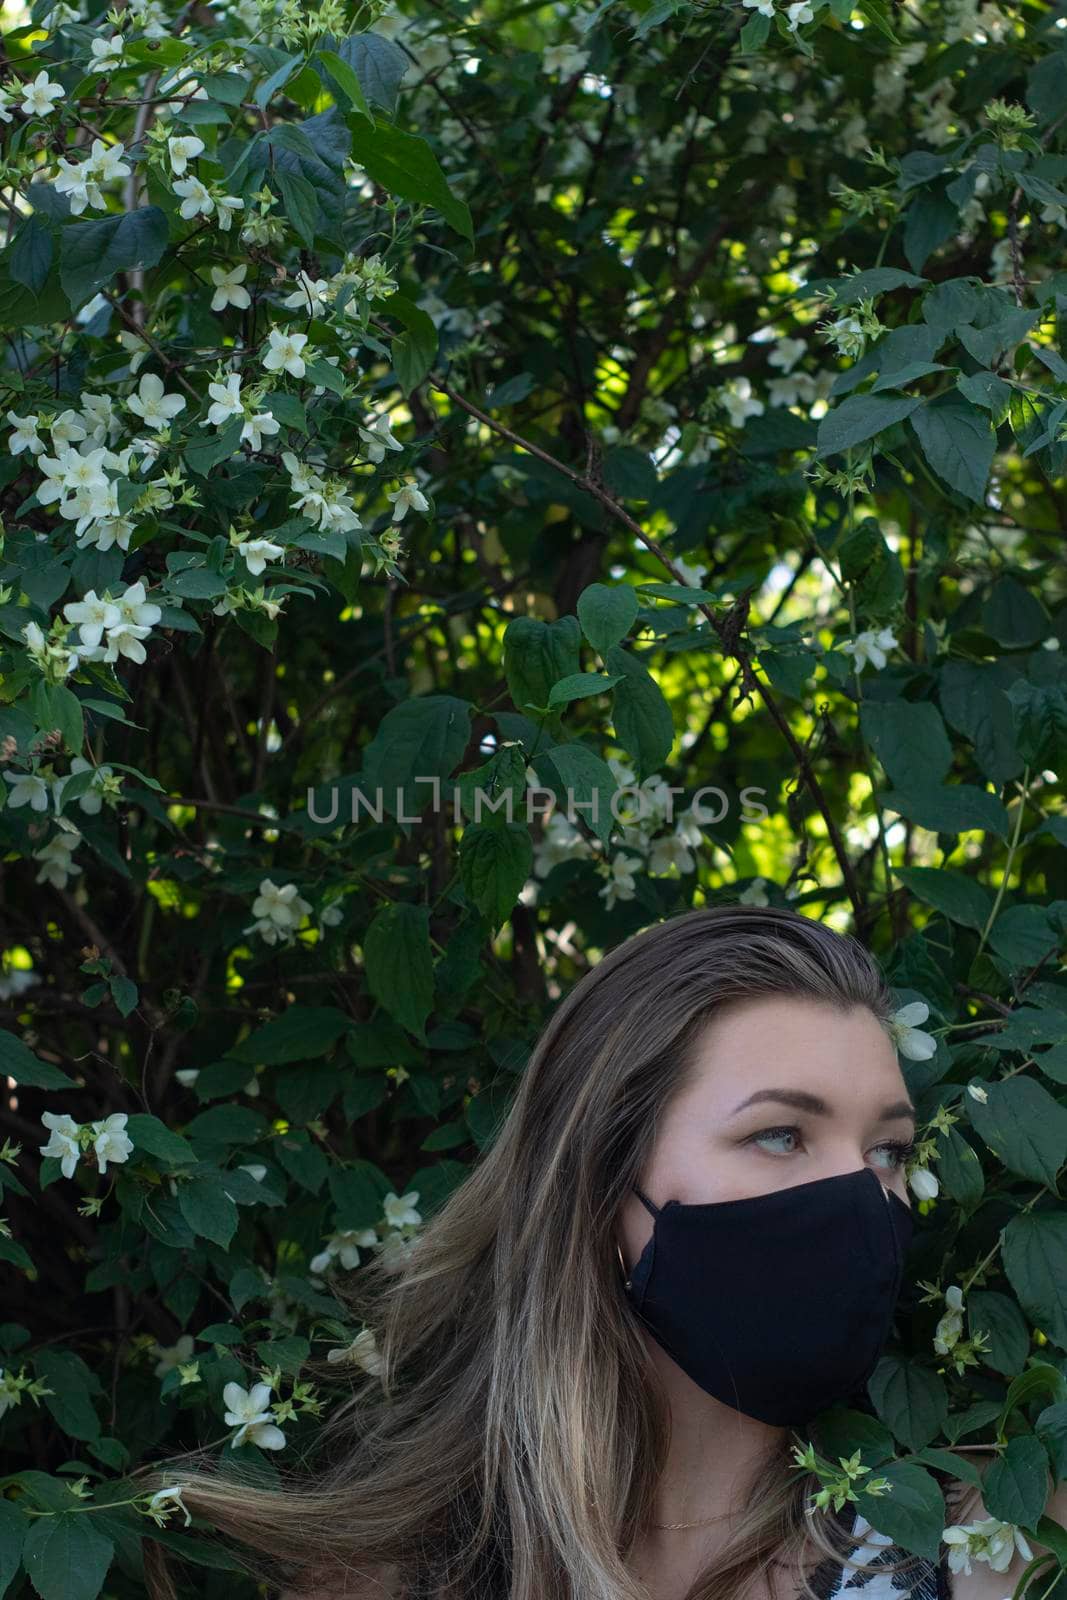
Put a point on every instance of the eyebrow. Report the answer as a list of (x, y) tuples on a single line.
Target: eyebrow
[(802, 1100)]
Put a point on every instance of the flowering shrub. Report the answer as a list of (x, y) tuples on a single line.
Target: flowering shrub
[(419, 414)]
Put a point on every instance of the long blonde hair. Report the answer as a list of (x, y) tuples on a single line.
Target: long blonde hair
[(510, 1445)]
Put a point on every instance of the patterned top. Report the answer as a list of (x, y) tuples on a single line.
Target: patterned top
[(924, 1581)]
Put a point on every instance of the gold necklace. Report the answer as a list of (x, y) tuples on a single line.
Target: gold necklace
[(703, 1523)]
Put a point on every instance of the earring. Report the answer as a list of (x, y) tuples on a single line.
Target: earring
[(622, 1264)]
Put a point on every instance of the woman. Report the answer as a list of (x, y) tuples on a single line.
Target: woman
[(686, 1240)]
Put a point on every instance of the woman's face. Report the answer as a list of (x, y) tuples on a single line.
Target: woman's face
[(849, 1109)]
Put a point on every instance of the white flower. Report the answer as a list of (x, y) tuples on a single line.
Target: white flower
[(278, 910), (621, 884), (670, 851), (163, 1499), (6, 96), (228, 402), (111, 1142), (24, 436), (255, 427), (194, 197), (27, 789), (344, 1245), (988, 1540), (378, 437), (787, 352), (137, 608), (107, 53), (908, 1036), (106, 161), (138, 350), (40, 96), (738, 400), (183, 148), (309, 295), (754, 894), (285, 353), (976, 1092), (948, 1330), (187, 1076), (871, 645), (406, 498), (92, 616), (63, 1141), (91, 799), (923, 1184), (76, 180), (247, 1411), (764, 7), (55, 859), (255, 1169), (257, 552), (399, 1210), (363, 1352), (225, 206), (174, 1355), (797, 13), (565, 58), (229, 287), (152, 405)]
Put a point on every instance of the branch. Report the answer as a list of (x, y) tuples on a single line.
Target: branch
[(728, 628)]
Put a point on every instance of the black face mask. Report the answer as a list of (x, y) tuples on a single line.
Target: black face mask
[(778, 1305)]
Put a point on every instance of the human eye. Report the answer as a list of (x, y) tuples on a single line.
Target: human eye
[(771, 1133), (902, 1150)]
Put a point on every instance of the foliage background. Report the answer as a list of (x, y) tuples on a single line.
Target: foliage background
[(712, 340)]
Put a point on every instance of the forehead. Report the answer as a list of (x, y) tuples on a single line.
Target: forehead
[(791, 1041)]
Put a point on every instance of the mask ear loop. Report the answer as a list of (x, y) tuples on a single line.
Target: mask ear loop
[(647, 1203)]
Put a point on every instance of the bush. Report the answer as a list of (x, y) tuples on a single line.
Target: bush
[(417, 417)]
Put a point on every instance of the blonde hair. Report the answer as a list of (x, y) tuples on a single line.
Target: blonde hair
[(511, 1444)]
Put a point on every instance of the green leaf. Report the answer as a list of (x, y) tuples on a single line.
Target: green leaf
[(1014, 615), (911, 1400), (1016, 1486), (583, 784), (28, 1070), (1007, 1336), (1024, 935), (154, 1138), (959, 1169), (55, 706), (580, 686), (71, 1382), (538, 654), (912, 1510), (607, 612), (66, 1557), (405, 165), (1039, 718), (207, 1208), (420, 739), (875, 281), (959, 898), (299, 1034), (909, 739), (31, 254), (1024, 1126), (950, 808), (1033, 1249), (494, 863), (414, 351), (204, 454), (92, 252), (301, 204), (958, 443), (14, 1526), (378, 63), (346, 80), (859, 418), (399, 965), (641, 716), (754, 33)]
